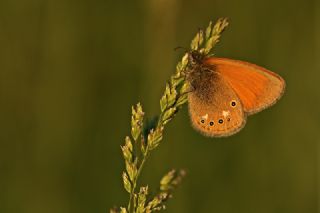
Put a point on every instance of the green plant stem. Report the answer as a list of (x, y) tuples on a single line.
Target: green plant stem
[(134, 184), (130, 199), (145, 156)]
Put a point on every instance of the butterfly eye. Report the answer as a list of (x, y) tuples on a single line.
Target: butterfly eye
[(233, 103), (220, 121), (211, 123), (202, 120)]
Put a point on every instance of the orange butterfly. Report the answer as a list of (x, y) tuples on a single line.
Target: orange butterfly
[(226, 91)]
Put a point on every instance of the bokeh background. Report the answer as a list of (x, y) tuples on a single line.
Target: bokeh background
[(70, 71)]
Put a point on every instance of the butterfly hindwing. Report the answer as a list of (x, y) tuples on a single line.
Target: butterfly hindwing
[(221, 114)]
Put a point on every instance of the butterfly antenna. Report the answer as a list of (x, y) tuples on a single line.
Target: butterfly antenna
[(179, 47)]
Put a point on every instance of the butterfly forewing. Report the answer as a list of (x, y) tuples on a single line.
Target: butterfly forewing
[(256, 87)]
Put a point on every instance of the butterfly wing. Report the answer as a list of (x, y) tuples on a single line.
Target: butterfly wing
[(221, 114), (256, 87)]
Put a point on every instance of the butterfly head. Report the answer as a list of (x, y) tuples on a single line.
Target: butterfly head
[(195, 58)]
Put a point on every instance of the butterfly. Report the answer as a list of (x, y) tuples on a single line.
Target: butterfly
[(225, 91)]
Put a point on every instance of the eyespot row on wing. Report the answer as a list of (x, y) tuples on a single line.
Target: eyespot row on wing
[(212, 122), (225, 114)]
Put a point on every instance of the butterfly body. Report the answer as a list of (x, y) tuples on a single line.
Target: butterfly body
[(225, 91)]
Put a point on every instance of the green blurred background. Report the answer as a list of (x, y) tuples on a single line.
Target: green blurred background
[(70, 71)]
